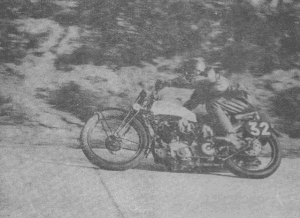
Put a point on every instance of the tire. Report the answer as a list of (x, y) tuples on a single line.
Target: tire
[(101, 162), (262, 173)]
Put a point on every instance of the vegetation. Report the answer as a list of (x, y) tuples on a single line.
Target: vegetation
[(240, 35), (236, 33), (243, 36), (70, 97), (286, 106), (13, 43)]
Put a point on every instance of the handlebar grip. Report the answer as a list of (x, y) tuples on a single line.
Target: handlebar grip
[(142, 97), (159, 85)]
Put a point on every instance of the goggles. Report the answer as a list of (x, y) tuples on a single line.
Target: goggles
[(203, 72)]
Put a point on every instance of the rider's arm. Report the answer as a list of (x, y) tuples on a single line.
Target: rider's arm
[(199, 96), (180, 82)]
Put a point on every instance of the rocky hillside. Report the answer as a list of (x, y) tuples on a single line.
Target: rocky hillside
[(43, 105)]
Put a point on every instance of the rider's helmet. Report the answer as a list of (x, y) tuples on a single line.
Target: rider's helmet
[(212, 72), (197, 67), (193, 67), (216, 66)]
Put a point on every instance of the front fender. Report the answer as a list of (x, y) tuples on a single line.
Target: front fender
[(150, 133)]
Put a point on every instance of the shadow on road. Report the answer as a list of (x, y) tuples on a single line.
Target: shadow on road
[(149, 165), (81, 165), (291, 153)]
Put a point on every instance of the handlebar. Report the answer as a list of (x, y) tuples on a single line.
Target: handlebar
[(141, 98)]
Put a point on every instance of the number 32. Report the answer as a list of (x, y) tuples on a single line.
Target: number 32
[(258, 129)]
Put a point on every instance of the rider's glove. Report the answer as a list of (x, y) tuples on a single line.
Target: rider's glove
[(207, 131), (159, 85)]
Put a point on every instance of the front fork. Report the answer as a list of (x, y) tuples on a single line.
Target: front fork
[(125, 123), (123, 126)]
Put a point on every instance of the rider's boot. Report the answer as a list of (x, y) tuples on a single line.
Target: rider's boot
[(233, 139), (249, 161)]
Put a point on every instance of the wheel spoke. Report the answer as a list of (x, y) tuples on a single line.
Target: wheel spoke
[(105, 122), (115, 148), (129, 140), (104, 129), (129, 149), (257, 162), (121, 126)]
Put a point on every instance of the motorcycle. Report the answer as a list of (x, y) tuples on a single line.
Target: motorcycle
[(117, 139)]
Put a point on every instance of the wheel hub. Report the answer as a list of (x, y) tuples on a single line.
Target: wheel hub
[(112, 143), (255, 149)]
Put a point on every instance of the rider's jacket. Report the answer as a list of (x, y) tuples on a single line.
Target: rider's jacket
[(221, 91)]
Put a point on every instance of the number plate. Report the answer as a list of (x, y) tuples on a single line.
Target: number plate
[(258, 128)]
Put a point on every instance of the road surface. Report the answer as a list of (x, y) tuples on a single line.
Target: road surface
[(42, 182)]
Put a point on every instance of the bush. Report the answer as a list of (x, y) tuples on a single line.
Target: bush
[(70, 97), (14, 44), (129, 32), (4, 100), (269, 37), (286, 106)]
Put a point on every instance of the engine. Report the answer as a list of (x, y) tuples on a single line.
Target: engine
[(176, 136), (181, 144)]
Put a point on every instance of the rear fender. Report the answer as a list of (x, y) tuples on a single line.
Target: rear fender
[(260, 125), (266, 118), (275, 132)]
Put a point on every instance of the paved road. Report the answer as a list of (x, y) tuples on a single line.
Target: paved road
[(59, 182)]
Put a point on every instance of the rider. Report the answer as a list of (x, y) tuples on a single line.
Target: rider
[(214, 90)]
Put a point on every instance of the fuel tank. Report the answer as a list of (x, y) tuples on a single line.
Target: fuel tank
[(172, 109)]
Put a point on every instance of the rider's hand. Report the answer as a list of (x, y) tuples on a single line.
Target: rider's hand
[(207, 131), (159, 85)]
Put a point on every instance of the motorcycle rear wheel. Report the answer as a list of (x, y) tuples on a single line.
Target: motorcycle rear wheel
[(272, 166), (104, 152)]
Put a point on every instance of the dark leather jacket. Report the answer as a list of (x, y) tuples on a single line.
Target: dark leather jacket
[(206, 91)]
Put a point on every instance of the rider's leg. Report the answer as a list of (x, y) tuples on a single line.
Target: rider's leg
[(200, 113), (203, 121), (216, 111), (222, 120), (219, 116)]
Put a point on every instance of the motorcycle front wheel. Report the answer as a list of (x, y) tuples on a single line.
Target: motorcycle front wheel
[(260, 165), (108, 150)]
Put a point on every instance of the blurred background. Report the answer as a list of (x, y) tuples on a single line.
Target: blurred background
[(61, 60)]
